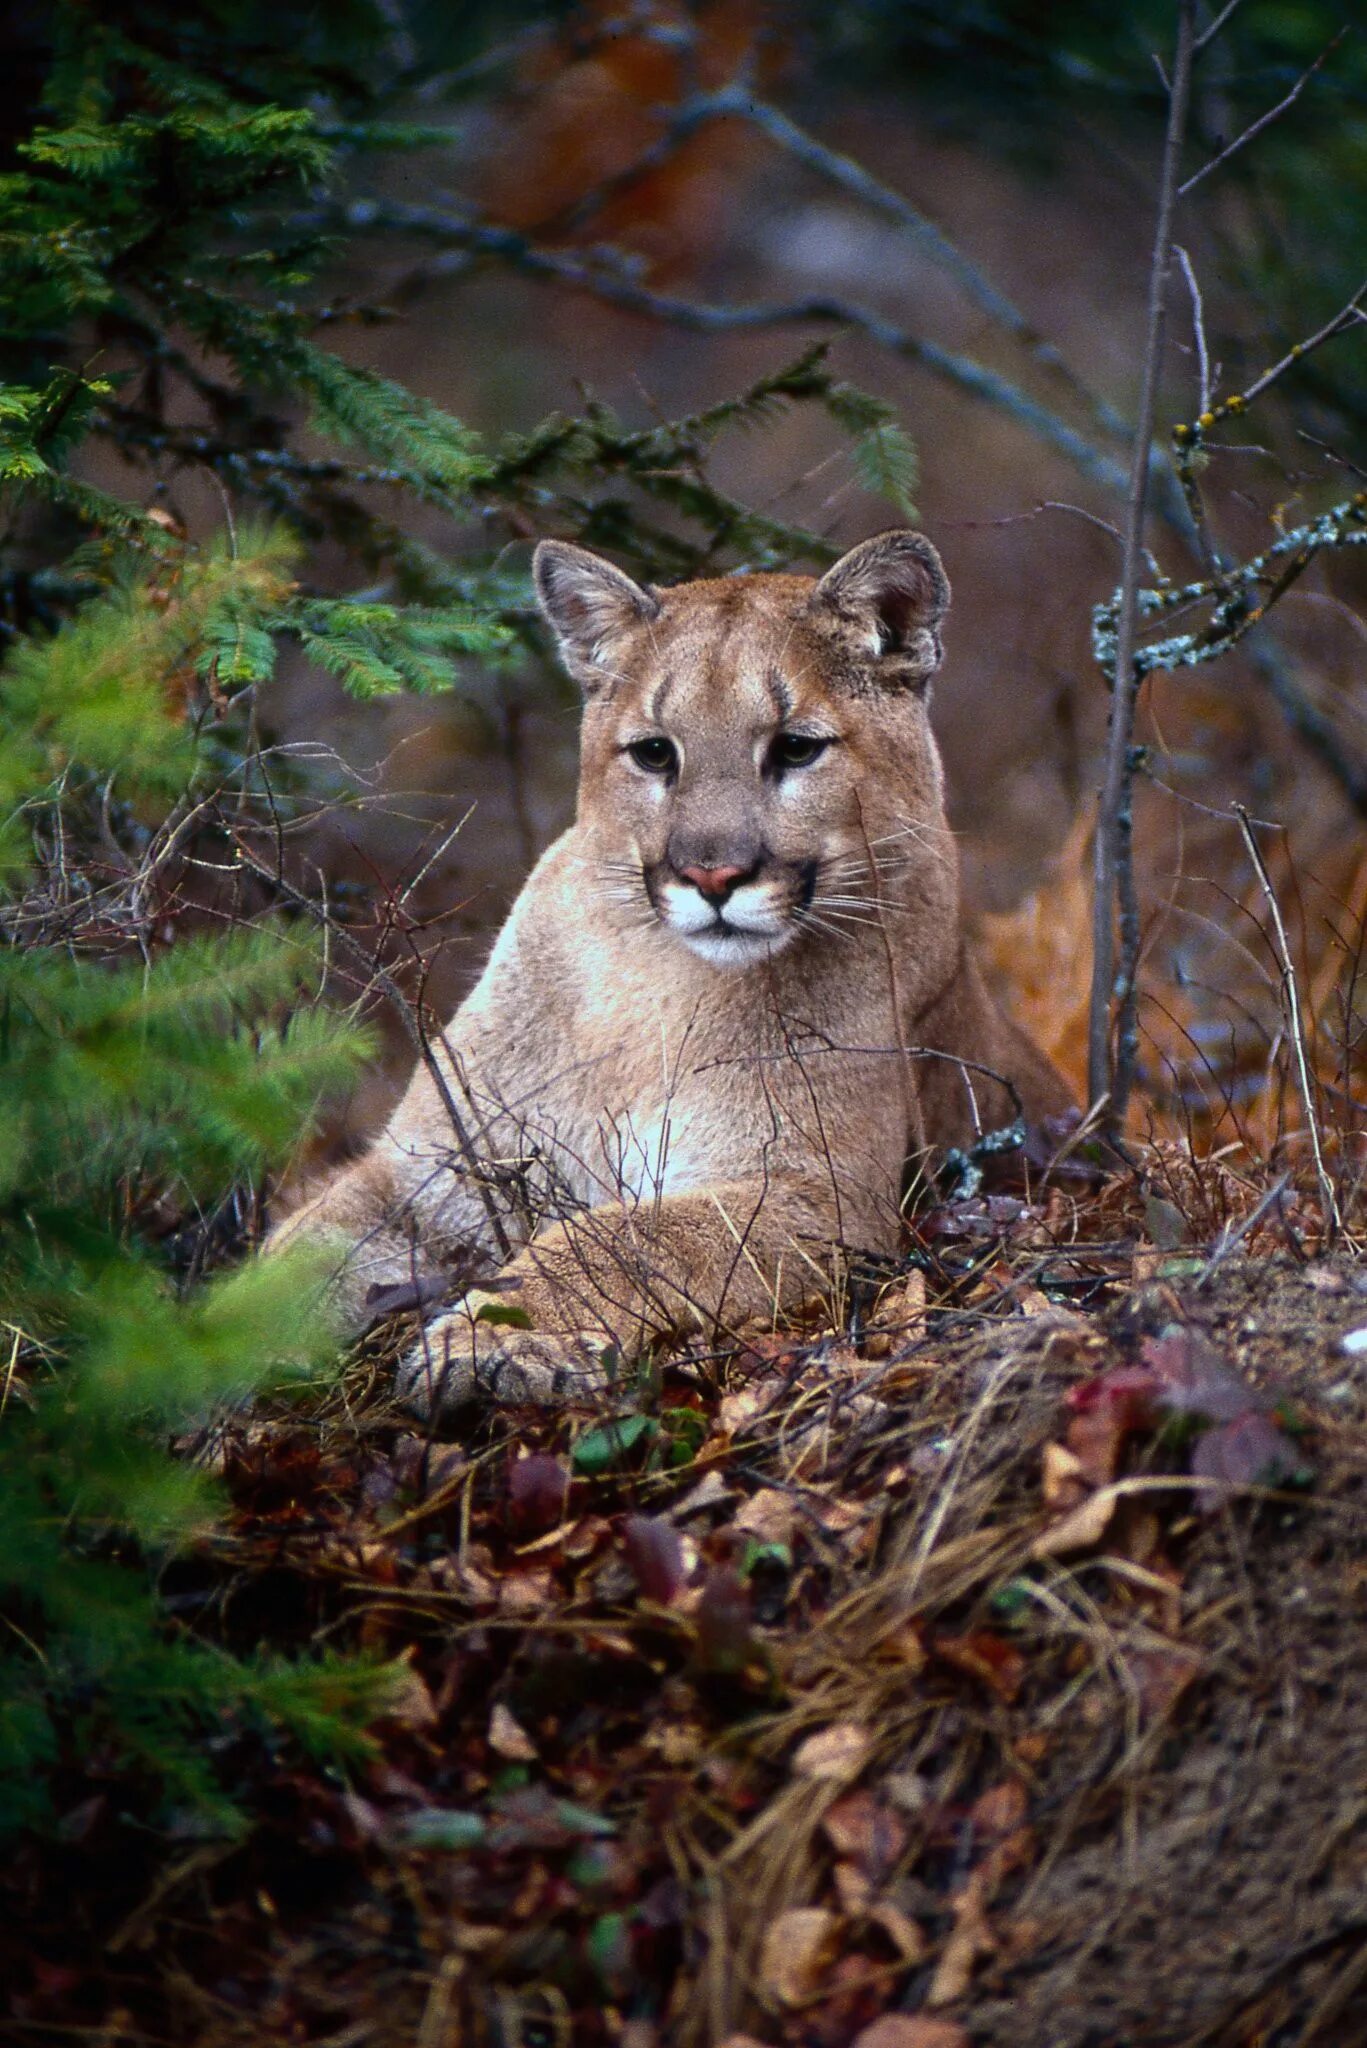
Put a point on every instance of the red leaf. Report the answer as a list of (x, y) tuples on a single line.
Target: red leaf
[(538, 1488), (1249, 1452), (655, 1553), (1105, 1410), (1195, 1380), (997, 1663)]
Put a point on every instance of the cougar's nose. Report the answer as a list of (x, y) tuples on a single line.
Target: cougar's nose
[(714, 883)]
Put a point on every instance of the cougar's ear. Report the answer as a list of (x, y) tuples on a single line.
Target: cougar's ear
[(589, 604), (891, 592)]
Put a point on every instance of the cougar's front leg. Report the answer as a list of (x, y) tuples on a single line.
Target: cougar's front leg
[(616, 1279), (392, 1231)]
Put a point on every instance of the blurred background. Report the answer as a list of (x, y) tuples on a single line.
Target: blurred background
[(646, 208)]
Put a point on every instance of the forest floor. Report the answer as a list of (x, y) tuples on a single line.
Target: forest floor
[(986, 1670)]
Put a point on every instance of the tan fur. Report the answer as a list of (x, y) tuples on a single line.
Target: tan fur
[(675, 1142)]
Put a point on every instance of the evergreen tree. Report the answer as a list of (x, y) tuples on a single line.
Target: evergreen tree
[(166, 222)]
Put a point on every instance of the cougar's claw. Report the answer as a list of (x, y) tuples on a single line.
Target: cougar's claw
[(461, 1358)]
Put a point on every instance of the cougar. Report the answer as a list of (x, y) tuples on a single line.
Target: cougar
[(731, 1011)]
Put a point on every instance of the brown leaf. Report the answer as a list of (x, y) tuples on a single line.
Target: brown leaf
[(1001, 1809), (409, 1702), (798, 1948), (725, 1636), (1086, 1525), (837, 1752), (861, 1827), (1161, 1677), (969, 1938), (508, 1738), (1061, 1477), (907, 1937), (767, 1516), (911, 2030), (853, 1889), (985, 1656), (1105, 1410), (525, 1592), (747, 1404)]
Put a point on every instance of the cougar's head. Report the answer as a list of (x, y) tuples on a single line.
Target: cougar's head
[(757, 763)]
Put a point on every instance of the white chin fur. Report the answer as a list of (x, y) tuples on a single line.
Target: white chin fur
[(756, 928), (736, 949)]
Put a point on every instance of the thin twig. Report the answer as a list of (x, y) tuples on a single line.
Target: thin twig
[(1264, 120), (615, 288), (1293, 1018), (1117, 787), (1231, 1238), (413, 1022), (1208, 35)]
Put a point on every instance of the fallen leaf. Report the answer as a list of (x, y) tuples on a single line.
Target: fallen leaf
[(837, 1752), (1161, 1677), (538, 1489), (738, 1410), (798, 1948), (852, 1888), (409, 1700), (1251, 1451), (861, 1827), (985, 1656), (907, 1937), (1086, 1525), (969, 1938), (725, 1639), (712, 1490), (1193, 1379), (509, 1739), (768, 1516), (655, 1552), (1061, 1477), (525, 1592), (1001, 1809), (1106, 1409), (911, 2030), (1034, 1303)]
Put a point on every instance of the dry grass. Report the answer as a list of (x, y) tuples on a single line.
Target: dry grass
[(839, 1734)]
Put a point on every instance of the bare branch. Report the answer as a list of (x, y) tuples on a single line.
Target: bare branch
[(1208, 35), (1293, 1018), (1198, 327), (614, 286), (1113, 818), (1264, 120)]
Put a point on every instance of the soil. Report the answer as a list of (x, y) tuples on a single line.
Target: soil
[(787, 1707)]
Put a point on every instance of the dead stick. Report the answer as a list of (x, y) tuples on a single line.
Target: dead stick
[(1293, 1017), (1117, 787)]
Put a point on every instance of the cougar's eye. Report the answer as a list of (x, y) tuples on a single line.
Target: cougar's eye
[(656, 755), (796, 750)]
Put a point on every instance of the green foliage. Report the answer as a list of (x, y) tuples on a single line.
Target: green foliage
[(169, 221)]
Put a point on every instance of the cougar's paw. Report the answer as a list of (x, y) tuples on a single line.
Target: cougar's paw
[(461, 1358)]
